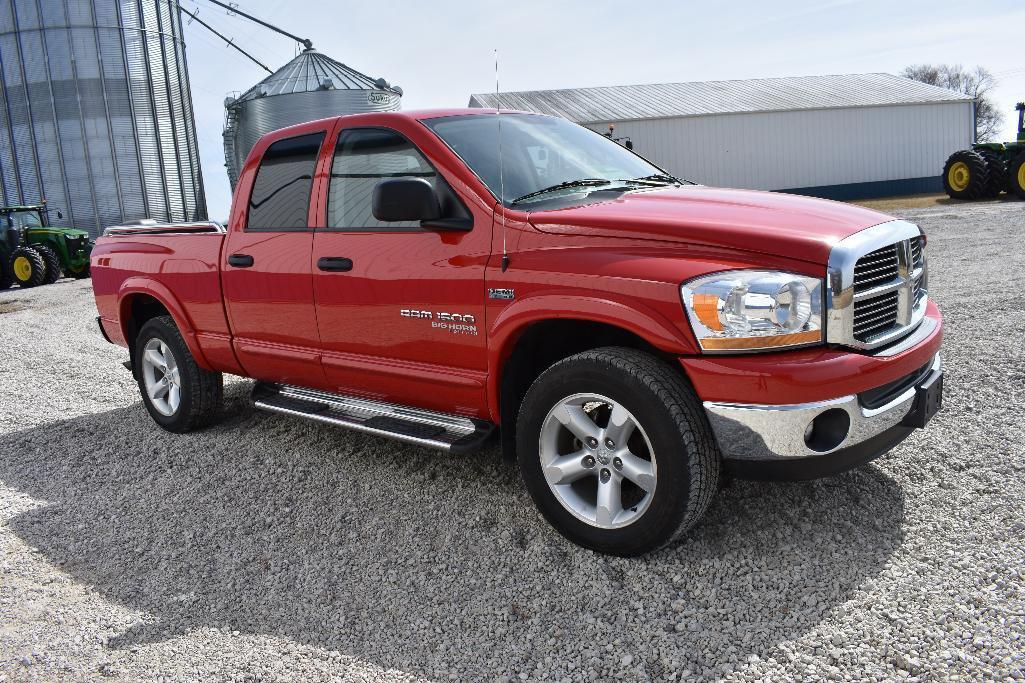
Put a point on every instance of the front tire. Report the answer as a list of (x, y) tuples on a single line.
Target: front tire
[(80, 273), (965, 175), (997, 170), (616, 452), (179, 395)]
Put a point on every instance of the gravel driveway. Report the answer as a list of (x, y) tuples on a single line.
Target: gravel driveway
[(270, 548)]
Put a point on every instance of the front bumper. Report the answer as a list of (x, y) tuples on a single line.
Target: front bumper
[(794, 432)]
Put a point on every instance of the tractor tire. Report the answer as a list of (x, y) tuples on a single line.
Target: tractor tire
[(966, 175), (80, 274), (1016, 176), (28, 266), (6, 275), (997, 168), (52, 261)]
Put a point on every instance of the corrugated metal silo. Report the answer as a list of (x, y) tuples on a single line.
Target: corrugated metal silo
[(95, 111), (311, 86)]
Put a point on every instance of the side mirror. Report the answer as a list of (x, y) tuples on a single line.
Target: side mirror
[(59, 214), (405, 199)]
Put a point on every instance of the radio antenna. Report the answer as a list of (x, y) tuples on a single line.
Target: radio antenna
[(501, 164)]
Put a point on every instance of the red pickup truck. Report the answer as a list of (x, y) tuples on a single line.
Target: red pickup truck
[(442, 277)]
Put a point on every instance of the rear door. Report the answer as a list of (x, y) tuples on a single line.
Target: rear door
[(266, 273), (400, 307)]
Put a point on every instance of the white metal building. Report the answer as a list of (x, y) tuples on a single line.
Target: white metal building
[(842, 137)]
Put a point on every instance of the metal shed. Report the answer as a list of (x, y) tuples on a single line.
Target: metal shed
[(842, 137)]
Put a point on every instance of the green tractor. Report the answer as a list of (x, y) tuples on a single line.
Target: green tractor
[(988, 168), (32, 252)]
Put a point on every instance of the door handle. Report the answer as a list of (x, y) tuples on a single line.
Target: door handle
[(240, 260), (334, 263)]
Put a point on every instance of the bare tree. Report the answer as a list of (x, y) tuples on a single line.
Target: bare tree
[(977, 84)]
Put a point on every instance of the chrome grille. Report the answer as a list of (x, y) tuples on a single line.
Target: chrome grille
[(875, 268), (877, 285), (875, 314)]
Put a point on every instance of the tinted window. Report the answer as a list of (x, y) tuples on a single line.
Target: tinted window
[(281, 193), (363, 158)]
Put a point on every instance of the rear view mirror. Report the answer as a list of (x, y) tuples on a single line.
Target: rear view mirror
[(405, 199)]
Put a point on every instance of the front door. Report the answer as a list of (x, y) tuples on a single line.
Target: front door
[(266, 274), (400, 307)]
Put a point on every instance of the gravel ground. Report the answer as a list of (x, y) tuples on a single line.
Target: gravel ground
[(269, 548)]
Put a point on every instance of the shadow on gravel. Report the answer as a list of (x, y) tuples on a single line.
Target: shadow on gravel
[(425, 563)]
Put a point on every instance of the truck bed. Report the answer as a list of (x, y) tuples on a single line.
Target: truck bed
[(178, 264)]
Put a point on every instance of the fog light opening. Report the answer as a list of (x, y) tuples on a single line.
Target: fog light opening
[(828, 430)]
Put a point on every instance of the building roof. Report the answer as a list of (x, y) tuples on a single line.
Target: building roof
[(310, 71), (669, 100)]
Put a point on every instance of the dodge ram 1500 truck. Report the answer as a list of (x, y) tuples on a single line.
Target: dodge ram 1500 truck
[(439, 277)]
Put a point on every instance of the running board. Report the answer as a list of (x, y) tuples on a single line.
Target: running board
[(449, 433)]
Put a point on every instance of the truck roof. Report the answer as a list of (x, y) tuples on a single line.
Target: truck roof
[(406, 115)]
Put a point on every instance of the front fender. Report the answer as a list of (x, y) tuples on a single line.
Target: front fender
[(139, 285), (630, 315)]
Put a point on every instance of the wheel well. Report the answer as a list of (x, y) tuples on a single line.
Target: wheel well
[(542, 345), (140, 309)]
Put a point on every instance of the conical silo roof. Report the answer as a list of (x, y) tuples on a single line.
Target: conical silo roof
[(311, 86), (311, 71)]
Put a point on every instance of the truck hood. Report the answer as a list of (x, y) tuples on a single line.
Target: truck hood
[(763, 222)]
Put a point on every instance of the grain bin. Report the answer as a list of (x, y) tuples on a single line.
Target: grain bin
[(95, 112), (311, 86)]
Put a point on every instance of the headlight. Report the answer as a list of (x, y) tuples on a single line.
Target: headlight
[(751, 310)]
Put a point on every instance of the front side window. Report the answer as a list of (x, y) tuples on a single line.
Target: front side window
[(541, 154), (363, 158), (281, 191)]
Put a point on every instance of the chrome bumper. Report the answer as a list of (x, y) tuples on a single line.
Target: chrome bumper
[(777, 432)]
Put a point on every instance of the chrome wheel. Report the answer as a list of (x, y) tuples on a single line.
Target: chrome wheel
[(160, 377), (597, 460)]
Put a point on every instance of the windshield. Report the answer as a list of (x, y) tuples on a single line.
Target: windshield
[(26, 219), (543, 156)]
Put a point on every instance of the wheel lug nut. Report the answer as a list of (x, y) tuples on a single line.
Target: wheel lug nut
[(588, 461), (592, 442), (609, 443), (617, 463), (605, 475)]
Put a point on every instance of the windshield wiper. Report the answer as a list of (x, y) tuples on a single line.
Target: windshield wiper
[(659, 179), (582, 182)]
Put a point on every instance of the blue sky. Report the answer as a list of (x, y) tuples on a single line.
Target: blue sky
[(442, 51)]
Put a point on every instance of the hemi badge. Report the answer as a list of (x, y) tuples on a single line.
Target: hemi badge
[(502, 294)]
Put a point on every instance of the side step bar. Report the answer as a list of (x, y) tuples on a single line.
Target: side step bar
[(449, 433)]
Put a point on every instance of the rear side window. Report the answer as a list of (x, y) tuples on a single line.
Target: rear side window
[(281, 192), (363, 158)]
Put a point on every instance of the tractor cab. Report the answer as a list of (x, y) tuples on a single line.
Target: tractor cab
[(1021, 121), (22, 218)]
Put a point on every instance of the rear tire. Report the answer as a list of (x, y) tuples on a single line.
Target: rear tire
[(28, 266), (1016, 175), (965, 175), (669, 470), (6, 276), (52, 261), (179, 395)]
